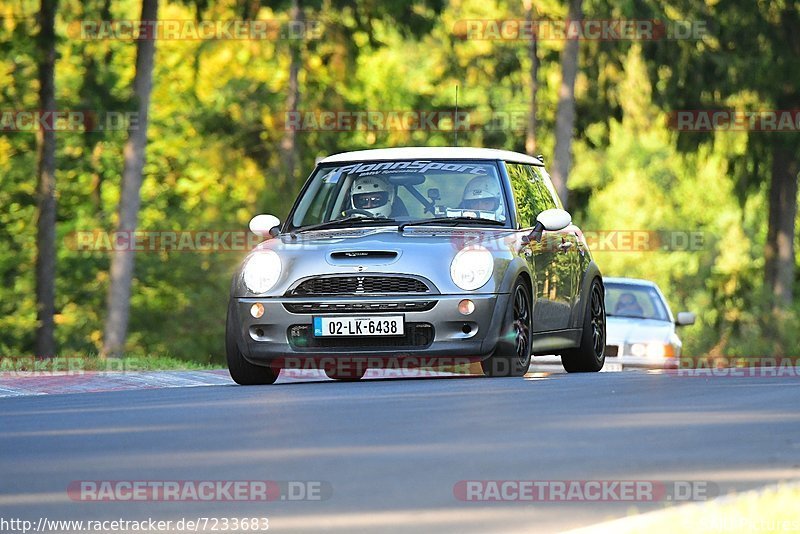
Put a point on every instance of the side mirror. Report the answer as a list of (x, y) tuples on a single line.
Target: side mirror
[(554, 219), (265, 225), (685, 319), (550, 220)]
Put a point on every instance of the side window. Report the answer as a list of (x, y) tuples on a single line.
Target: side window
[(318, 208), (316, 203), (549, 184), (531, 193), (543, 195), (524, 195)]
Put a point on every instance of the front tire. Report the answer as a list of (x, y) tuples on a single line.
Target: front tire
[(243, 372), (590, 356), (512, 356)]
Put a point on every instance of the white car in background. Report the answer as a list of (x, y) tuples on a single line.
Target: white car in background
[(640, 325)]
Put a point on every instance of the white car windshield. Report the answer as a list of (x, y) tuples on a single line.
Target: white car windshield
[(394, 192), (635, 301)]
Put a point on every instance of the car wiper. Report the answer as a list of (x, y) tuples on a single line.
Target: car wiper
[(450, 221), (339, 222)]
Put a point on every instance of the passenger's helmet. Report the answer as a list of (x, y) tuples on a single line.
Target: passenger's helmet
[(483, 194), (373, 194)]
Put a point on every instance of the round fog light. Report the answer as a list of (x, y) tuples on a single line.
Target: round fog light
[(257, 310), (466, 307)]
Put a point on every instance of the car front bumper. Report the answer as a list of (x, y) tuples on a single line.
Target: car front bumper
[(631, 362), (435, 329), (620, 352)]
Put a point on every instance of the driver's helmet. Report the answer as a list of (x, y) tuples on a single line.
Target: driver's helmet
[(373, 194), (483, 194)]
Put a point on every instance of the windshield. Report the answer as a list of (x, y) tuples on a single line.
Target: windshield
[(629, 300), (394, 192)]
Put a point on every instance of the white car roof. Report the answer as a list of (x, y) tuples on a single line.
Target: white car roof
[(630, 281), (384, 154)]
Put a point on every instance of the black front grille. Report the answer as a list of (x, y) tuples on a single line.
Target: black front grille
[(417, 335), (350, 285), (351, 307), (612, 350)]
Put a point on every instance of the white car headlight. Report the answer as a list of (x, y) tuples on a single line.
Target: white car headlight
[(472, 267), (261, 271), (653, 349)]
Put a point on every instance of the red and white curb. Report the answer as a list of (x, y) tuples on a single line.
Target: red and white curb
[(45, 383), (40, 383)]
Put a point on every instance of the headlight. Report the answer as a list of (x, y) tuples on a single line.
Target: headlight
[(261, 271), (472, 267), (653, 350)]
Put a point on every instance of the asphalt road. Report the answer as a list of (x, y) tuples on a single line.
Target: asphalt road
[(387, 454)]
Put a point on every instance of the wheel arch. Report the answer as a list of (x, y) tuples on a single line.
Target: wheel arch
[(517, 268), (579, 309)]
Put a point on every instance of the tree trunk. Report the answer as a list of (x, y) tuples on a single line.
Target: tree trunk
[(119, 291), (533, 53), (565, 116), (45, 345), (289, 142), (779, 253)]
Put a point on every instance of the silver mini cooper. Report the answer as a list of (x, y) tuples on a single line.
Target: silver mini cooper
[(417, 257)]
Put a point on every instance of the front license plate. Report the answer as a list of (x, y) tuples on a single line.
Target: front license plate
[(386, 325)]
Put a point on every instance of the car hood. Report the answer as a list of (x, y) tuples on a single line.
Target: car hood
[(426, 252), (622, 330)]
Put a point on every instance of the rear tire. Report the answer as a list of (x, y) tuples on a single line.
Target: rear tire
[(590, 356), (512, 356), (243, 372)]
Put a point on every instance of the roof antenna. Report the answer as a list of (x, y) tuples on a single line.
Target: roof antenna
[(455, 120)]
